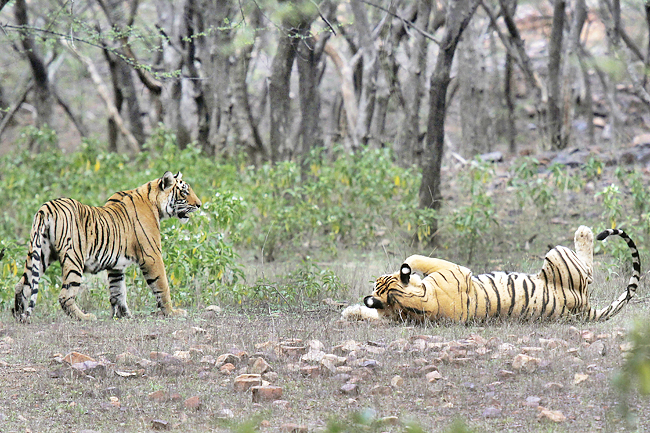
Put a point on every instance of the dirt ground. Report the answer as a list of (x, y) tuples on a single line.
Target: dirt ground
[(505, 376)]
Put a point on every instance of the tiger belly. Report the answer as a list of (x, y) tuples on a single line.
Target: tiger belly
[(502, 294), (94, 265)]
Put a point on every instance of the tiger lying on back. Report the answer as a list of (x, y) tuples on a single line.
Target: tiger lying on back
[(450, 291), (91, 239)]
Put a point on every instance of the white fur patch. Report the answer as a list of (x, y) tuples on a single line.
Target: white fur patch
[(360, 312)]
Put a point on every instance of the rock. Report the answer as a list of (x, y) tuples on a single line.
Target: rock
[(159, 396), (588, 336), (174, 396), (158, 356), (259, 366), (397, 381), (553, 343), (245, 381), (126, 358), (553, 386), (183, 355), (388, 420), (310, 371), (532, 401), (552, 415), (227, 358), (213, 308), (93, 368), (225, 413), (76, 358), (293, 428), (227, 368), (266, 393), (491, 412), (495, 156), (433, 376), (193, 403), (579, 378), (158, 424), (381, 390), (313, 356), (597, 348), (524, 363), (349, 389), (505, 374), (281, 404)]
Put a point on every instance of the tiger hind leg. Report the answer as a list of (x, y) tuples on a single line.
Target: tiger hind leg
[(117, 289), (584, 247), (69, 290)]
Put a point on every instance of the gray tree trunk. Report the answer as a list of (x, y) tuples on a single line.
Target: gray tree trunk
[(459, 14)]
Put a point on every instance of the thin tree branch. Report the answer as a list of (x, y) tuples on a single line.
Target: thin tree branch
[(16, 105), (404, 20)]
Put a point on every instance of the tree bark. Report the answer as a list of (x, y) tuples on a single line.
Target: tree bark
[(366, 104), (459, 14), (555, 123), (43, 97)]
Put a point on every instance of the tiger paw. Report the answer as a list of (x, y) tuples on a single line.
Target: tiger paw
[(178, 312), (87, 317)]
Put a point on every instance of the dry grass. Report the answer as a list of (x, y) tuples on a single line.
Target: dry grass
[(41, 394)]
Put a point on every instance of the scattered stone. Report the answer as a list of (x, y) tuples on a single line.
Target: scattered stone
[(227, 368), (491, 412), (579, 378), (342, 377), (270, 376), (159, 424), (433, 376), (245, 381), (174, 396), (310, 371), (313, 355), (552, 415), (225, 413), (597, 348), (114, 401), (193, 403), (588, 336), (158, 356), (293, 428), (389, 420), (126, 358), (266, 393), (524, 363), (227, 358), (553, 343), (129, 373), (76, 358), (505, 374), (259, 366), (281, 404), (532, 401), (159, 396), (92, 368), (349, 389), (214, 308), (553, 386), (381, 390), (396, 382)]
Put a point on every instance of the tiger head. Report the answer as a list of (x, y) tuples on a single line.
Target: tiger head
[(392, 290), (176, 198)]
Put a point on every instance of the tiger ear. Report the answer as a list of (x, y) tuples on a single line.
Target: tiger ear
[(405, 274), (179, 176), (167, 181)]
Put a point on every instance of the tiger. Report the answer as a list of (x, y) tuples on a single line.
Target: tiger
[(451, 292), (90, 239)]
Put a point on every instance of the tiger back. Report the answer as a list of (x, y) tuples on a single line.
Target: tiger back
[(91, 239)]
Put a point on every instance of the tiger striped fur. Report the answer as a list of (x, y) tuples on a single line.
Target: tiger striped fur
[(91, 239), (450, 291)]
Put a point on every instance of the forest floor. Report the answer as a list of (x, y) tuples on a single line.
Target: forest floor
[(506, 376)]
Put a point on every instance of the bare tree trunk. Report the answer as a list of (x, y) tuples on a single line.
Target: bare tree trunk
[(408, 139), (555, 124), (507, 93), (43, 97), (459, 14), (366, 103), (279, 101)]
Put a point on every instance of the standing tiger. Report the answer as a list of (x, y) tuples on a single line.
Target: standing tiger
[(450, 291), (91, 239)]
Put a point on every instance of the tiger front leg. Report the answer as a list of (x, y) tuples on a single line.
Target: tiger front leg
[(117, 289), (154, 273), (23, 295), (69, 290)]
